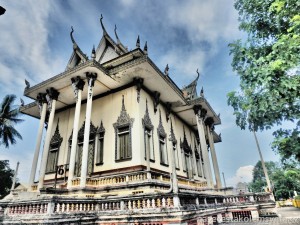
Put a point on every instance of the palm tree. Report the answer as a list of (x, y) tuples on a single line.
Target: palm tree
[(8, 118)]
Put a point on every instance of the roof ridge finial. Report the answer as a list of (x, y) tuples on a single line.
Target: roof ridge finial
[(123, 105), (197, 75), (166, 71), (146, 48), (202, 92), (118, 40), (93, 56), (103, 28), (138, 42), (72, 38)]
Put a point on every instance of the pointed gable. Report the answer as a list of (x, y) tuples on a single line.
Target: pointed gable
[(77, 56), (108, 49), (190, 91)]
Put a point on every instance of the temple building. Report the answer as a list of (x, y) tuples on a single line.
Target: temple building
[(123, 144)]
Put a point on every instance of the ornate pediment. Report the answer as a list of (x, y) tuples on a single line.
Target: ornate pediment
[(56, 138), (160, 128), (93, 130), (101, 129), (124, 118), (185, 145), (146, 120), (172, 135)]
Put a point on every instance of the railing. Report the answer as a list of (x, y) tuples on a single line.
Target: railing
[(38, 208)]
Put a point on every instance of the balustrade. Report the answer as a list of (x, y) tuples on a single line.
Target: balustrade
[(35, 208)]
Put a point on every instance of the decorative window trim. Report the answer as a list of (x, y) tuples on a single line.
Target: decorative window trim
[(148, 130), (80, 138), (174, 147), (162, 134), (123, 121), (55, 143), (100, 133)]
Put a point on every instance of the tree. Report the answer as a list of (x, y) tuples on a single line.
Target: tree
[(268, 64), (285, 178), (259, 181), (6, 178), (8, 117)]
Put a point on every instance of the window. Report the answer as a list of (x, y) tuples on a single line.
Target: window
[(99, 159), (52, 160), (149, 144), (55, 143), (199, 167), (123, 142), (176, 155), (123, 135), (187, 163), (148, 136), (78, 159), (163, 151), (198, 162)]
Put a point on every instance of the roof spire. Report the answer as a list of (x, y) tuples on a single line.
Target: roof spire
[(93, 52), (197, 75), (72, 38), (118, 40), (138, 42), (166, 72), (146, 48), (103, 28), (202, 92)]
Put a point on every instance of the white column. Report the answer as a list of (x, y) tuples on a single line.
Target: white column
[(77, 85), (53, 95), (91, 79), (200, 161), (43, 104), (203, 145), (214, 157)]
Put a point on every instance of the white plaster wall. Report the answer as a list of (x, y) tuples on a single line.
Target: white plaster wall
[(107, 109)]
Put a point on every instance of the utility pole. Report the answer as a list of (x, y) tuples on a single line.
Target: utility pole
[(263, 164), (15, 176)]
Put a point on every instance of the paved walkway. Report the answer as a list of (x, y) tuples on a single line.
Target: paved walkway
[(287, 216), (288, 212)]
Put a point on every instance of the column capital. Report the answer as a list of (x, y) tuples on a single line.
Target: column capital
[(197, 109), (203, 113), (210, 123), (41, 98), (52, 93), (91, 77), (77, 83)]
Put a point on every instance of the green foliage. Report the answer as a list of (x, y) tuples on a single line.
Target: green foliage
[(268, 64), (8, 117), (259, 181), (6, 176), (285, 178)]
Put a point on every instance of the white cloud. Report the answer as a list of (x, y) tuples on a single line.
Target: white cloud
[(25, 52), (243, 174), (205, 20)]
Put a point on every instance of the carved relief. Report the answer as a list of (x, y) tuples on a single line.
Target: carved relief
[(146, 120), (160, 128), (56, 139), (172, 135)]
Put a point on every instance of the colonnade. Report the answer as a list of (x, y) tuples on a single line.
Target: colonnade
[(204, 125), (50, 98)]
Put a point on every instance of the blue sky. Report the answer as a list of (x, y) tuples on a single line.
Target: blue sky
[(35, 45)]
